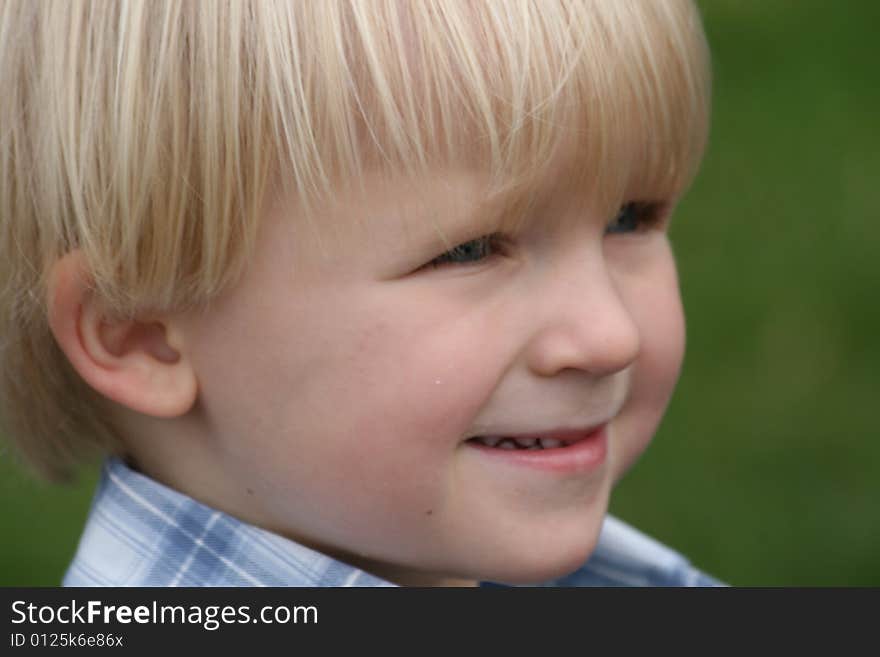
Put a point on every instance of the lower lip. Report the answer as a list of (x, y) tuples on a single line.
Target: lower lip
[(585, 455)]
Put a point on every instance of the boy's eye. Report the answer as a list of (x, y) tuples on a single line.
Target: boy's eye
[(633, 217), (469, 252)]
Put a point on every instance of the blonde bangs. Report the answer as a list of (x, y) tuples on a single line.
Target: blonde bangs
[(502, 87)]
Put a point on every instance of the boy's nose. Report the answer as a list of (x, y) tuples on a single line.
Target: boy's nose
[(582, 322)]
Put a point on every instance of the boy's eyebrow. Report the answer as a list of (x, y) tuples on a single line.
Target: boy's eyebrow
[(456, 210), (507, 209), (505, 212)]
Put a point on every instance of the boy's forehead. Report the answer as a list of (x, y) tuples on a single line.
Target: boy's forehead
[(408, 205), (568, 175), (442, 206)]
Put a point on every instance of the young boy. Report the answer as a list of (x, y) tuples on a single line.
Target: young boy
[(350, 293)]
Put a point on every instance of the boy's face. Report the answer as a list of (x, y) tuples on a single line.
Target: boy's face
[(342, 379)]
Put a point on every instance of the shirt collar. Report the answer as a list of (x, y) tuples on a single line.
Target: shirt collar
[(142, 533)]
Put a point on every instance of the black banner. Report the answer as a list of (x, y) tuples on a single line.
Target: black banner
[(269, 619)]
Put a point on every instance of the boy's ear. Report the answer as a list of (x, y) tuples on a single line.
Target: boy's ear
[(139, 364)]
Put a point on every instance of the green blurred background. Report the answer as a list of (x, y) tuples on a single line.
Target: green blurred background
[(766, 470)]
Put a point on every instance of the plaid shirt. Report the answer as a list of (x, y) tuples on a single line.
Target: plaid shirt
[(140, 533)]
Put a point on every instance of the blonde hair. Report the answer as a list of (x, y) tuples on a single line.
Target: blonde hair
[(146, 134)]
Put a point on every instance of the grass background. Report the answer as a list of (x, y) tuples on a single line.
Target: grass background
[(766, 470)]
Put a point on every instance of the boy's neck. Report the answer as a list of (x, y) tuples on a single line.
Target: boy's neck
[(174, 454)]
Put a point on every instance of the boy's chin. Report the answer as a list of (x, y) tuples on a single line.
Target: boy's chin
[(539, 564), (526, 574), (544, 549)]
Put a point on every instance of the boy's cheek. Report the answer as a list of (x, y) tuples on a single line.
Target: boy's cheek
[(654, 375)]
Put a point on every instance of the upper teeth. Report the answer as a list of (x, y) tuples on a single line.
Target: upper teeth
[(521, 443)]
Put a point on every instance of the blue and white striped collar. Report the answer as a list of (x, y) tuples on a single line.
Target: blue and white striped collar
[(141, 533)]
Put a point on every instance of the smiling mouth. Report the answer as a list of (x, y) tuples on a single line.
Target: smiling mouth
[(533, 443), (562, 452), (500, 442)]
